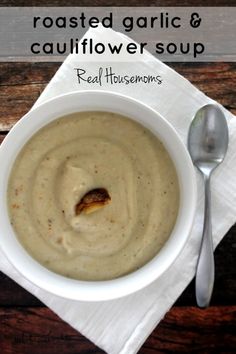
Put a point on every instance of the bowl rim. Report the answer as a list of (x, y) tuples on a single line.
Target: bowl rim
[(124, 285)]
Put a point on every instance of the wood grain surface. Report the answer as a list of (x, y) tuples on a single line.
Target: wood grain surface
[(183, 330), (117, 3), (22, 83)]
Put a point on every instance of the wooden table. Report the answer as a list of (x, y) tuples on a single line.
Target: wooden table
[(27, 326)]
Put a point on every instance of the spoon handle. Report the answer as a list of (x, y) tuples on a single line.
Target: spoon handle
[(205, 268)]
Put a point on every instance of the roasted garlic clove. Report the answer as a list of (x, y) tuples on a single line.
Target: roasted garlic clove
[(92, 201)]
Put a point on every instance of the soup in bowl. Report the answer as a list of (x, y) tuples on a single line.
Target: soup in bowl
[(99, 195)]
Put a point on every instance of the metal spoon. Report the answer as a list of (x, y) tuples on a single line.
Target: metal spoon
[(207, 144)]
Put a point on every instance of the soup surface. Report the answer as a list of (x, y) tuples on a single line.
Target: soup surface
[(75, 155)]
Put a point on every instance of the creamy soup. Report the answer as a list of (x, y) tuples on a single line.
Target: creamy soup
[(80, 157)]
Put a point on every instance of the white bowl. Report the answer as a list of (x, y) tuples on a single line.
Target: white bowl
[(97, 290)]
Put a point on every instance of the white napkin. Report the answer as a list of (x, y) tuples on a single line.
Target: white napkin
[(121, 326)]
